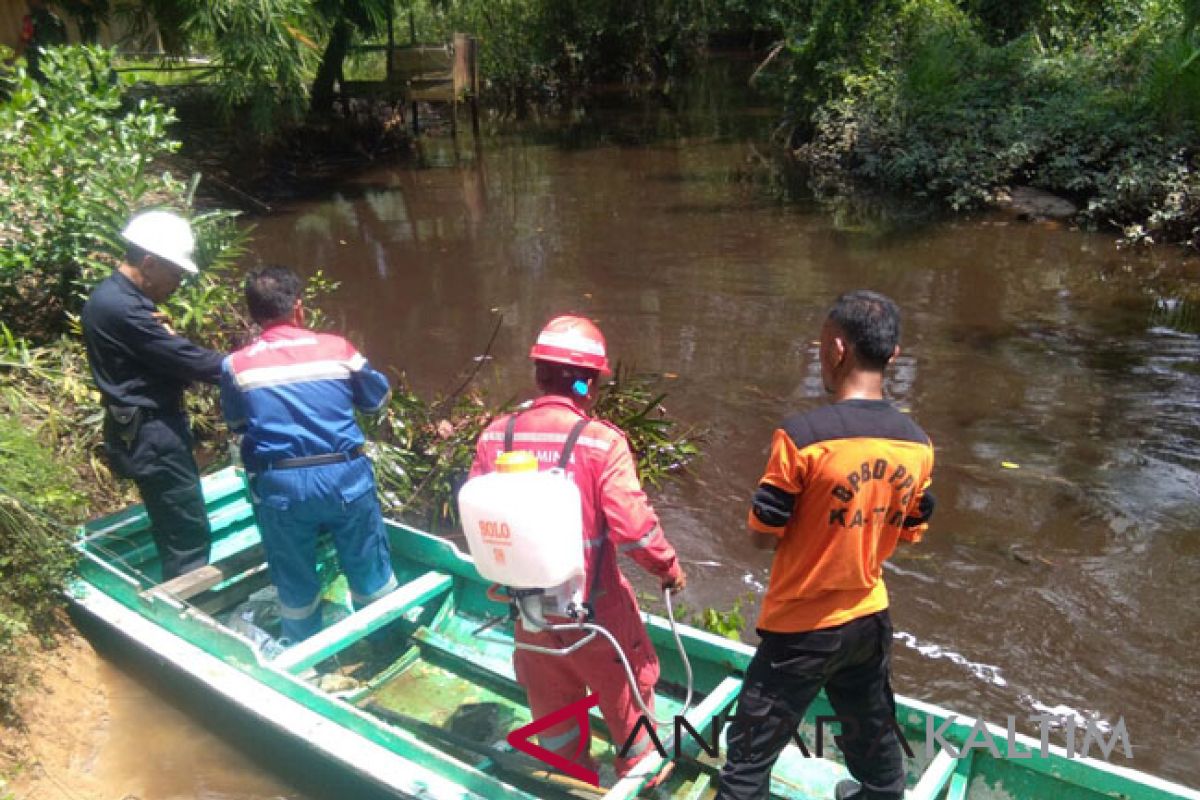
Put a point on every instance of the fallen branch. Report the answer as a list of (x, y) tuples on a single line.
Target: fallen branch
[(776, 50)]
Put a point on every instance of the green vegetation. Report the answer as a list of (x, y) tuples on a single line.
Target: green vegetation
[(542, 49), (729, 623), (956, 102), (532, 48), (35, 556), (631, 401), (272, 60), (60, 233)]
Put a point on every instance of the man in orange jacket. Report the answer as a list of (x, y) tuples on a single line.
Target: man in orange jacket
[(570, 355), (843, 484)]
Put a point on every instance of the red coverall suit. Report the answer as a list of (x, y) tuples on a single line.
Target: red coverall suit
[(617, 518)]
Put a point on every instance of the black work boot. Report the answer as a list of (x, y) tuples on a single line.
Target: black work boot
[(848, 790)]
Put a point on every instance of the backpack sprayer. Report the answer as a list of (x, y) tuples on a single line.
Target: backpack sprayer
[(525, 531)]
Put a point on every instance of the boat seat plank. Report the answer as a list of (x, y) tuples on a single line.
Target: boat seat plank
[(935, 777), (201, 580), (958, 787), (361, 624), (222, 598)]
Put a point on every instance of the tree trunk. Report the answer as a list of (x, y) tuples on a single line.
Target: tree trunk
[(331, 67)]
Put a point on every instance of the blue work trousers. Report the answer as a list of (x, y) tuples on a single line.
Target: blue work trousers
[(293, 507)]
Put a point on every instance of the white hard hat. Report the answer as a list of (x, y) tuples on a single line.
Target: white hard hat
[(163, 234)]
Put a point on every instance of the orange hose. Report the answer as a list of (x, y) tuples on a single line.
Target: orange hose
[(493, 594)]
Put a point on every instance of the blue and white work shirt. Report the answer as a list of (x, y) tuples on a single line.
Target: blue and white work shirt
[(293, 393)]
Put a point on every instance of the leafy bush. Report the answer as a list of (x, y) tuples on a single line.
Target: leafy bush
[(630, 401), (72, 164), (729, 623), (266, 60), (75, 161), (924, 104)]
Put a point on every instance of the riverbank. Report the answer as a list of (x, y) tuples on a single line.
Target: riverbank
[(64, 716), (253, 174), (958, 105)]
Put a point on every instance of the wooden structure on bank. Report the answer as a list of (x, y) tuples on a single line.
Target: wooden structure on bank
[(418, 73)]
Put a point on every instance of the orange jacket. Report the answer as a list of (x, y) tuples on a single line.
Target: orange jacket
[(617, 516)]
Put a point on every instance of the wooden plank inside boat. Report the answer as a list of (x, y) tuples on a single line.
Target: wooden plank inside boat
[(185, 587)]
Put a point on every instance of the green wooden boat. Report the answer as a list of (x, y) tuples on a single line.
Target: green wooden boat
[(431, 698)]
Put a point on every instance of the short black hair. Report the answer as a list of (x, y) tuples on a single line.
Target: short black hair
[(555, 378), (871, 323), (135, 255), (271, 292)]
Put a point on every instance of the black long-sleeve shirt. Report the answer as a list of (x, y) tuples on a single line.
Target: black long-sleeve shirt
[(135, 360)]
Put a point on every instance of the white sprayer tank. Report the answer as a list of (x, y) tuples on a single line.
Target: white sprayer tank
[(524, 528)]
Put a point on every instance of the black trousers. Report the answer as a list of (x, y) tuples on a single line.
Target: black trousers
[(159, 460), (851, 662)]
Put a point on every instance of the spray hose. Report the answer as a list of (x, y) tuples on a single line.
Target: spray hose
[(593, 630)]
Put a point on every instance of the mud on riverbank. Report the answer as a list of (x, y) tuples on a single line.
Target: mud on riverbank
[(65, 714)]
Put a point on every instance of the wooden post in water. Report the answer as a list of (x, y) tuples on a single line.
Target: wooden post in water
[(474, 43), (458, 77), (466, 79)]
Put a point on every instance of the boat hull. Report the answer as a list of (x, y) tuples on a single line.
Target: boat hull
[(429, 712)]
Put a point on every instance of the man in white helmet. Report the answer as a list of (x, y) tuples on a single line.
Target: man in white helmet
[(141, 368)]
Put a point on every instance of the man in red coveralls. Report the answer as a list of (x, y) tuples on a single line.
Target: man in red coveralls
[(569, 356)]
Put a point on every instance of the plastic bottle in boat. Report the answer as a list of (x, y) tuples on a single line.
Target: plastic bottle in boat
[(244, 620)]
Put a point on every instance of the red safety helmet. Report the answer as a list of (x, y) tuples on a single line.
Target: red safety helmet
[(572, 340)]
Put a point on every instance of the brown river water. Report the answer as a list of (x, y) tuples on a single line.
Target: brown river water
[(1064, 585)]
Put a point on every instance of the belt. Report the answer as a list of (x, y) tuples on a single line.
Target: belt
[(316, 461)]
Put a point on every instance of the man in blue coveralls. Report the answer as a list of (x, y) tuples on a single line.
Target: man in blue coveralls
[(292, 393)]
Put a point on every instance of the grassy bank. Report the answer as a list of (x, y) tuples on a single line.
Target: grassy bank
[(34, 550)]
